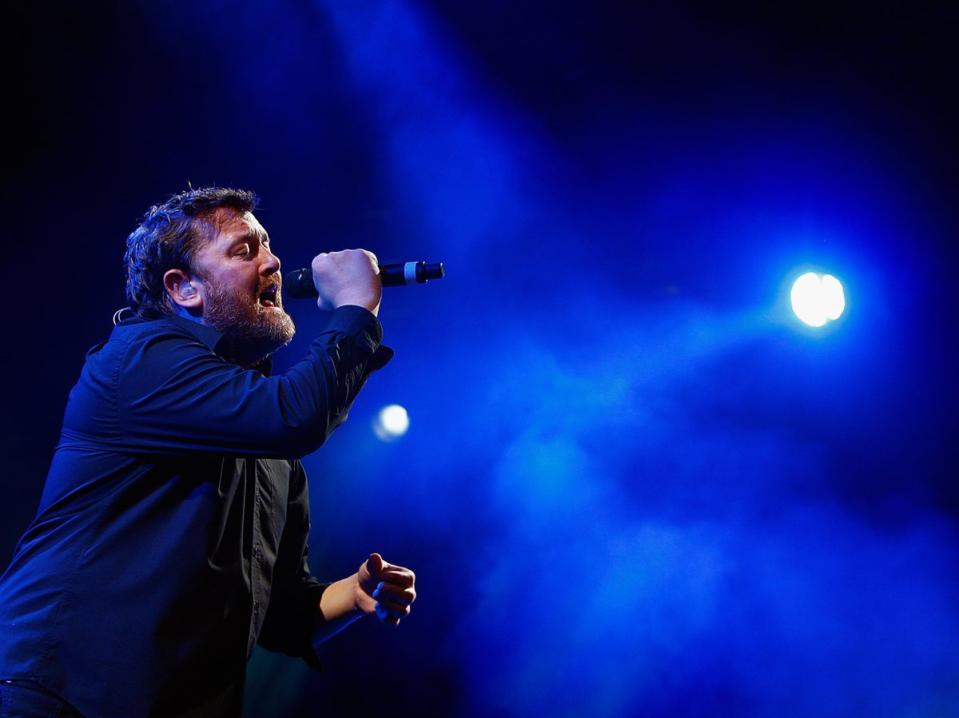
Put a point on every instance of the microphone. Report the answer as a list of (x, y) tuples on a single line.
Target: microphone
[(298, 284)]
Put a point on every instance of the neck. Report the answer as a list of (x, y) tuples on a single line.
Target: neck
[(187, 314)]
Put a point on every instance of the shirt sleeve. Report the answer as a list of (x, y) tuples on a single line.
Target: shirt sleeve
[(291, 615), (173, 395)]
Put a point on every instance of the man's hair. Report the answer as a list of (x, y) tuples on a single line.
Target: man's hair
[(168, 238)]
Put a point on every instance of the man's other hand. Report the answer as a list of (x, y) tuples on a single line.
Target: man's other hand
[(385, 589)]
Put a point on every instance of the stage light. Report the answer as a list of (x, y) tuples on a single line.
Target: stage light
[(817, 298), (391, 423)]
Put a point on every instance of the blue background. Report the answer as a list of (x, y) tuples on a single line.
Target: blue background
[(633, 483)]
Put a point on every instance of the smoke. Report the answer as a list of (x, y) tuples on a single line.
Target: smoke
[(626, 499)]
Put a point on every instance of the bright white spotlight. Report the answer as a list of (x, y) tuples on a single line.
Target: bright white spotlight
[(817, 298), (391, 423)]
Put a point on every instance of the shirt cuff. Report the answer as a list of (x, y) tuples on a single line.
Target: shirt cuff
[(363, 326), (307, 651), (356, 320)]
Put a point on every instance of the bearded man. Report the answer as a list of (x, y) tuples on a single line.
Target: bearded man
[(171, 536)]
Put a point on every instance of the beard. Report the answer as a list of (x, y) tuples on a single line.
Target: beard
[(251, 331)]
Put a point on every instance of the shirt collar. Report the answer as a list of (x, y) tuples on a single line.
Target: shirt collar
[(206, 335)]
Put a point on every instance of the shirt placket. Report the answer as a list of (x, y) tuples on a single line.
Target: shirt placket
[(256, 554)]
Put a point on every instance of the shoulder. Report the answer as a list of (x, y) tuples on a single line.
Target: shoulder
[(139, 339), (170, 326), (134, 359), (140, 354)]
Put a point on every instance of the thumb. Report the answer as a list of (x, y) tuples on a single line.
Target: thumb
[(375, 564)]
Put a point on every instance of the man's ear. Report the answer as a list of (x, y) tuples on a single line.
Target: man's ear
[(181, 289)]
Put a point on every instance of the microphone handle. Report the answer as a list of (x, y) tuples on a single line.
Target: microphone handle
[(299, 283)]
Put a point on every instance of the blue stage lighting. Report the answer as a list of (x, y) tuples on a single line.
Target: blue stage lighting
[(817, 298), (391, 423)]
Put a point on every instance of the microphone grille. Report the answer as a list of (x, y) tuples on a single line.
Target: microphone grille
[(299, 284)]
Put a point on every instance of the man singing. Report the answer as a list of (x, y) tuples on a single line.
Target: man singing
[(172, 531)]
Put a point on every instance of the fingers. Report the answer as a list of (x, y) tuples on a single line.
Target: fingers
[(397, 594), (392, 608), (397, 576), (386, 617), (390, 586), (347, 277), (373, 260), (375, 564), (325, 261), (381, 570), (394, 600), (391, 612)]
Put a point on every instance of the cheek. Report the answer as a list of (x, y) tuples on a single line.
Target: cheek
[(235, 283), (226, 290)]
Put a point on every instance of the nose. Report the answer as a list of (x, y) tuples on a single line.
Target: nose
[(271, 263)]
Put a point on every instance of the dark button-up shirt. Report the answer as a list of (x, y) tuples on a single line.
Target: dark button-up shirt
[(172, 531)]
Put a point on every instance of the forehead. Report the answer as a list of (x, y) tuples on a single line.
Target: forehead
[(227, 225)]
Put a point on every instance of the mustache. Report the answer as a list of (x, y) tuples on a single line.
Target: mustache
[(276, 285)]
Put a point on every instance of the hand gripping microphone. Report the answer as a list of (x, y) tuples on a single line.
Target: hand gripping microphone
[(299, 283)]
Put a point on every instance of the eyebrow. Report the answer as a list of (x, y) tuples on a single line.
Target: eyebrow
[(251, 234)]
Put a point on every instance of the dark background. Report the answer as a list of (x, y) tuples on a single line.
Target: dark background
[(633, 483)]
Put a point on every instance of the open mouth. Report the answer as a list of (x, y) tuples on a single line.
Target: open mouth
[(268, 297)]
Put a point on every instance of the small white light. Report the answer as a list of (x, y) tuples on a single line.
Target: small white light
[(391, 423), (817, 299)]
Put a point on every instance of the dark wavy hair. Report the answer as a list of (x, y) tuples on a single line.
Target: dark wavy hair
[(168, 238)]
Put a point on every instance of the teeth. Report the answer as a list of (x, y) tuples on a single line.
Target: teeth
[(268, 297)]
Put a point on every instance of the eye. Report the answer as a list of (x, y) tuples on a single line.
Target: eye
[(242, 250)]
